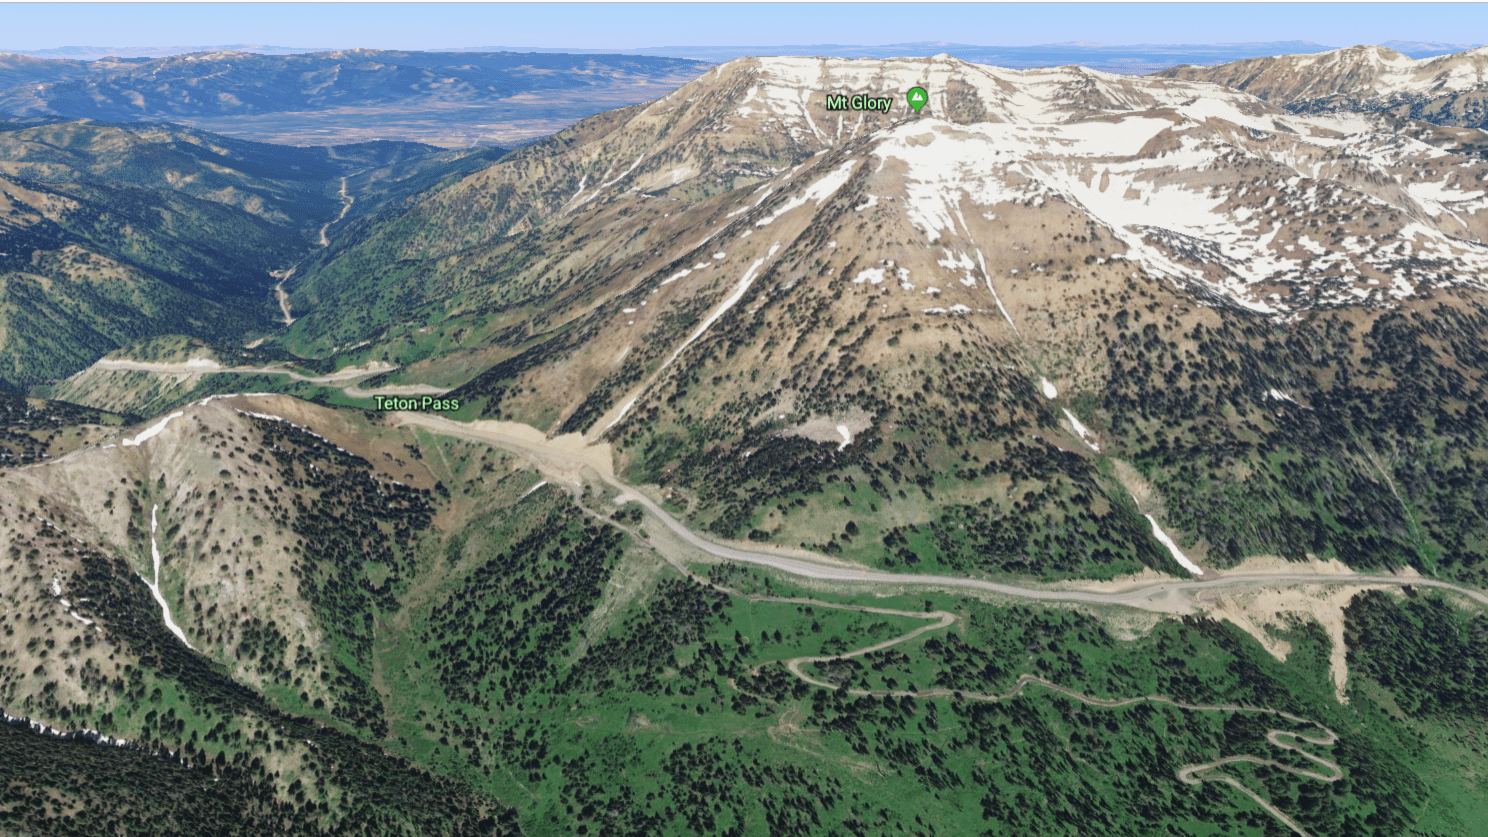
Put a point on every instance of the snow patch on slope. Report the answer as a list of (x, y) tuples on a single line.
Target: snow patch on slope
[(155, 585), (733, 299), (846, 436), (1177, 553), (1081, 430), (818, 191), (152, 431)]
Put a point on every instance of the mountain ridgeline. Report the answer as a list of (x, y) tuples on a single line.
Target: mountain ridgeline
[(1446, 90)]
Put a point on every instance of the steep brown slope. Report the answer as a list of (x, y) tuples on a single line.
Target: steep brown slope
[(230, 501), (190, 595)]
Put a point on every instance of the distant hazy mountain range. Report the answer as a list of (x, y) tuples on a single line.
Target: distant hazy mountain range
[(91, 53), (1136, 59), (1121, 58), (449, 99), (1447, 90)]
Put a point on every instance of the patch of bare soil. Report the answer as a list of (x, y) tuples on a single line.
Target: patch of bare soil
[(1254, 611), (828, 428)]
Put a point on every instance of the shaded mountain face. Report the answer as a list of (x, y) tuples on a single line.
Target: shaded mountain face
[(34, 430), (794, 315), (111, 233), (321, 98), (1447, 90), (282, 184), (88, 267)]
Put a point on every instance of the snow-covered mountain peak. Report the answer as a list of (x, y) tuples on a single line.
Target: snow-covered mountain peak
[(1224, 195), (1361, 78), (792, 89)]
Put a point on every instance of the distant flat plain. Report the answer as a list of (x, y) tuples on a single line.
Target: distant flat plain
[(507, 122)]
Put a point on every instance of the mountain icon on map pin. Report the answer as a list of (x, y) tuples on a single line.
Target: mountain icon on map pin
[(917, 98)]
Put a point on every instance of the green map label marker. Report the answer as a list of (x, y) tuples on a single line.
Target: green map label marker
[(917, 98)]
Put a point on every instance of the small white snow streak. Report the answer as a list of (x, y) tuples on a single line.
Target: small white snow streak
[(632, 168), (818, 191), (583, 181), (88, 734), (155, 586), (987, 276), (722, 309), (1081, 429), (1048, 388), (152, 431), (272, 417), (846, 436), (1166, 541), (624, 410), (57, 594), (155, 429), (765, 193)]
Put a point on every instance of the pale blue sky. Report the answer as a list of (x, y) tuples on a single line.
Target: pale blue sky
[(634, 25)]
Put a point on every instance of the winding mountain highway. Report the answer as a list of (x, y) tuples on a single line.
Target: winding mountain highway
[(1191, 774), (566, 455), (205, 366), (569, 460)]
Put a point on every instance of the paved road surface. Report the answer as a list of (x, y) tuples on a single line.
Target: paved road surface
[(212, 367), (1162, 596)]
